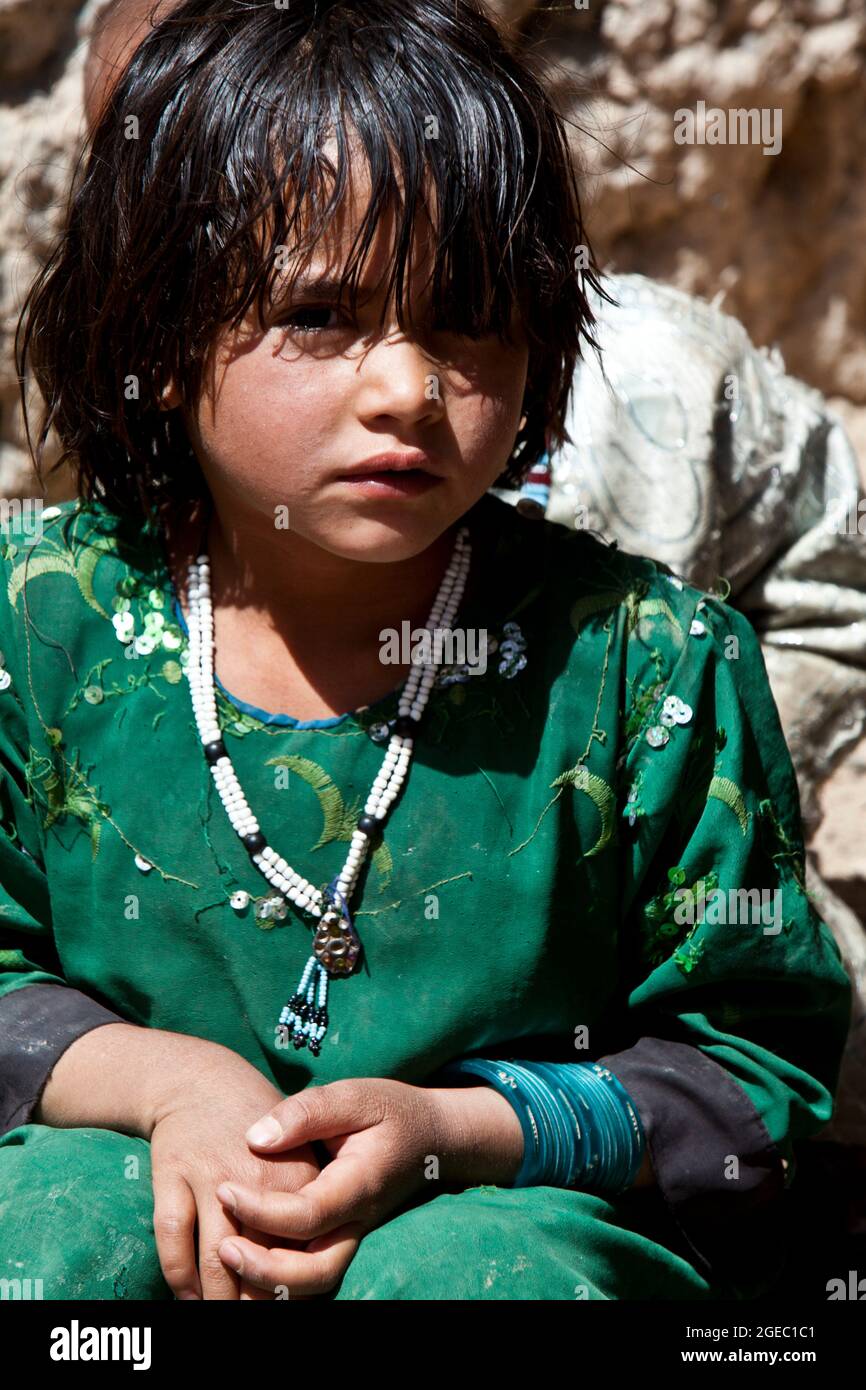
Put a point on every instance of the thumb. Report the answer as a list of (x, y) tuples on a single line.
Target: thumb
[(320, 1112)]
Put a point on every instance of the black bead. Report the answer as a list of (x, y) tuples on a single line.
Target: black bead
[(405, 726), (214, 751), (369, 824), (255, 842)]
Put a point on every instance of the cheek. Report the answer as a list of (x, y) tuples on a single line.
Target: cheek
[(490, 397), (264, 397)]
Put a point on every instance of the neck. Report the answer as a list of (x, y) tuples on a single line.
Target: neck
[(308, 594)]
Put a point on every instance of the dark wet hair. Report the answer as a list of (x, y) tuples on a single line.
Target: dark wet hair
[(207, 158)]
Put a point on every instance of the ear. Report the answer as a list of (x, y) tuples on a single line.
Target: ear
[(169, 397)]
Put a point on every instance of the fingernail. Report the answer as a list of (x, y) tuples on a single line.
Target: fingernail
[(231, 1255), (228, 1196), (264, 1131)]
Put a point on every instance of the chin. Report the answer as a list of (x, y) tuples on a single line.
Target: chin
[(398, 533)]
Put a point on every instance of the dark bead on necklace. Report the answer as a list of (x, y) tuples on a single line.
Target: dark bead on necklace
[(370, 825), (405, 726), (214, 751), (255, 842)]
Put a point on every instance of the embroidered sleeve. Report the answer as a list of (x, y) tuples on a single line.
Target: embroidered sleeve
[(40, 1013), (735, 1004)]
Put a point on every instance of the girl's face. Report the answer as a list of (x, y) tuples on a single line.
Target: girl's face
[(290, 405)]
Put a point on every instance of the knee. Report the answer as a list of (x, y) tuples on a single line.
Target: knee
[(76, 1213), (482, 1243)]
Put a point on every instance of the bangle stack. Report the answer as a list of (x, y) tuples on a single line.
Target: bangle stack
[(580, 1126)]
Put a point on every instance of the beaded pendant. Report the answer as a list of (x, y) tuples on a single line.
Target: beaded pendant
[(336, 946)]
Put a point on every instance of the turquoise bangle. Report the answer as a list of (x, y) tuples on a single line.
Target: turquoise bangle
[(580, 1126)]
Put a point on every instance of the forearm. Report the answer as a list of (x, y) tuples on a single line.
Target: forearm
[(120, 1075), (482, 1141)]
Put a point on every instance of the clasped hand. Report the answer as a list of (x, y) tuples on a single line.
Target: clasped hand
[(379, 1134)]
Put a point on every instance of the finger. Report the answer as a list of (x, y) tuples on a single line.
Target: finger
[(249, 1292), (174, 1216), (342, 1192), (295, 1273), (217, 1280), (319, 1112)]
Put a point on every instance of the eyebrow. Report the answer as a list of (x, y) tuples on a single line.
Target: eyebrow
[(318, 288), (315, 287)]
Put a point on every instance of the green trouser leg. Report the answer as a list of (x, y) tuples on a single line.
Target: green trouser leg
[(76, 1216), (540, 1243), (76, 1221)]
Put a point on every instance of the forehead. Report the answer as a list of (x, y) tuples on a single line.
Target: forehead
[(118, 29), (344, 231)]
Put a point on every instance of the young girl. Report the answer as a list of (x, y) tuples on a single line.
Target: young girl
[(327, 972)]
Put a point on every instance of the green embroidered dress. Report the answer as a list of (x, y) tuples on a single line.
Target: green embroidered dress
[(525, 901)]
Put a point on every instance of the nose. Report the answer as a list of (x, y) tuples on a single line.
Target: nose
[(400, 382)]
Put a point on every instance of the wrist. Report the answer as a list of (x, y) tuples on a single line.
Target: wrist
[(481, 1137), (601, 1152), (184, 1071), (123, 1076)]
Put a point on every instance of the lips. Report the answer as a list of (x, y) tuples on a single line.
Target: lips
[(391, 464), (393, 483)]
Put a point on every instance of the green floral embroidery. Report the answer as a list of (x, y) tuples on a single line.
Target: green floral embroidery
[(645, 702), (340, 820), (580, 777), (94, 692), (235, 721), (591, 604), (66, 792), (728, 792), (601, 794), (633, 807), (635, 601), (32, 567), (78, 558), (661, 930), (720, 588), (85, 569), (687, 956), (63, 790), (653, 608), (781, 849), (421, 893)]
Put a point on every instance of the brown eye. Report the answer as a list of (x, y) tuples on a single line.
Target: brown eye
[(309, 319)]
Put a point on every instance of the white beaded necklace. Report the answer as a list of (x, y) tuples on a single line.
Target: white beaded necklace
[(336, 945)]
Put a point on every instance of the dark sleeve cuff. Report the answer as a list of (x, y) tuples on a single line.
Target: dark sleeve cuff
[(697, 1121), (37, 1024)]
